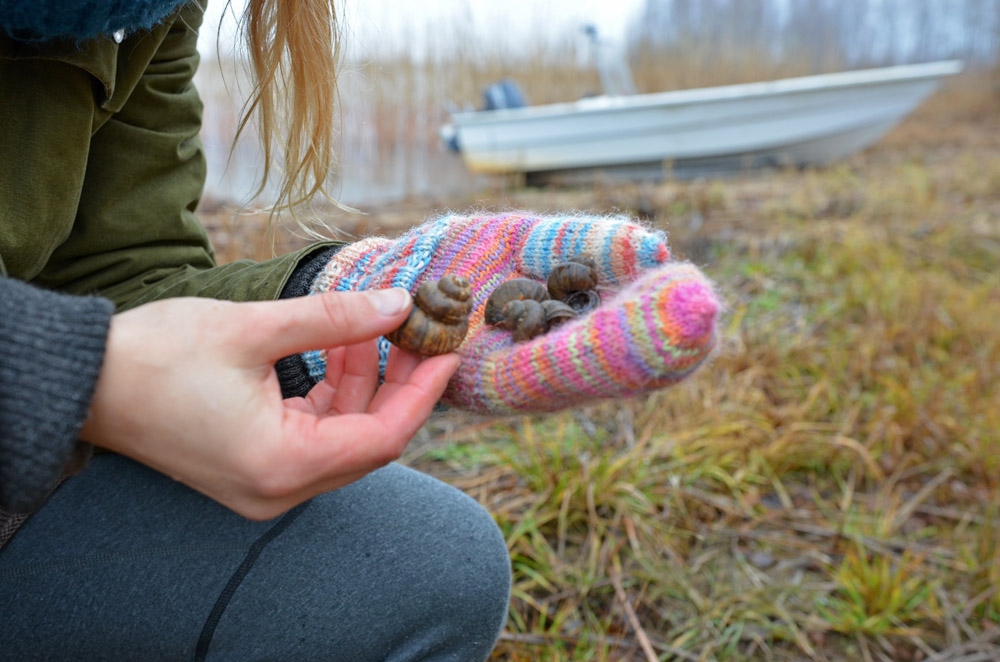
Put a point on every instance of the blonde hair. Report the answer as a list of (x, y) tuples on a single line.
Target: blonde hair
[(294, 49)]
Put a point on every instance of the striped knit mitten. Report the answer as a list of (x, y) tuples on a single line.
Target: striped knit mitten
[(655, 325)]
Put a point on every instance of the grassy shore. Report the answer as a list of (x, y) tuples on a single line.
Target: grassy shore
[(828, 487)]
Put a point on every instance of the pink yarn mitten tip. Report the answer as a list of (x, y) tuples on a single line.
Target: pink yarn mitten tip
[(649, 335)]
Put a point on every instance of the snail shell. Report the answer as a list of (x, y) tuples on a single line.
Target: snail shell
[(582, 301), (557, 312), (439, 319), (516, 289), (576, 275), (525, 318)]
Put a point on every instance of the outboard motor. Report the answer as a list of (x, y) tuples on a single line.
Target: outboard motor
[(503, 94)]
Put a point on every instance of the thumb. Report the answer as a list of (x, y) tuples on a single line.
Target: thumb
[(334, 319)]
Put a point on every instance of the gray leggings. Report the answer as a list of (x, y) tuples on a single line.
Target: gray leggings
[(123, 563)]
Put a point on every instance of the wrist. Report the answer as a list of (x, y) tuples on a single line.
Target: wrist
[(95, 428)]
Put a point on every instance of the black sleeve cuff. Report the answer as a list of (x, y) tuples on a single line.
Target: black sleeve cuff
[(51, 351), (305, 273), (292, 372)]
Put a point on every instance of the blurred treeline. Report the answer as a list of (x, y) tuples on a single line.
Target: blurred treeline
[(682, 43)]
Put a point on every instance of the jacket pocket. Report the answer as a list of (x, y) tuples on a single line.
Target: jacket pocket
[(98, 57)]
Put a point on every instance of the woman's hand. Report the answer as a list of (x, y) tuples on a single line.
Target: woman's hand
[(188, 387)]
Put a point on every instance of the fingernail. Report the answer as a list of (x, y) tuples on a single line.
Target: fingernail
[(390, 302)]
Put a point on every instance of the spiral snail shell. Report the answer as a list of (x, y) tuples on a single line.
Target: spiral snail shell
[(439, 319), (522, 307), (582, 301), (525, 318), (557, 312), (573, 282), (516, 289), (528, 308)]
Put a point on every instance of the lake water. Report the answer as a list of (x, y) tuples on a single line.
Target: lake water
[(387, 151)]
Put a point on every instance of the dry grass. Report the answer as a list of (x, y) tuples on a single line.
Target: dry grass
[(828, 488)]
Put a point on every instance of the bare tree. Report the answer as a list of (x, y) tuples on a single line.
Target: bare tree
[(819, 34)]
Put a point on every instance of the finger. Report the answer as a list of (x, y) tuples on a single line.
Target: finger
[(319, 399), (358, 379), (322, 453), (273, 329), (363, 442), (299, 404), (334, 365), (427, 374), (400, 365)]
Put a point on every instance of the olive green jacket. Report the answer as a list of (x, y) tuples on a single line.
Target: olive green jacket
[(102, 169)]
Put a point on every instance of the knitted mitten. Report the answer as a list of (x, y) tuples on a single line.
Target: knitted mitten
[(655, 326)]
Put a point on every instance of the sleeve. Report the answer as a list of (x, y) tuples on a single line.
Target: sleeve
[(51, 350), (136, 238), (293, 374)]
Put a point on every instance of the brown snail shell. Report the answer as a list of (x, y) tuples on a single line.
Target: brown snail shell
[(516, 289), (582, 301), (576, 275), (439, 319), (557, 312), (525, 318)]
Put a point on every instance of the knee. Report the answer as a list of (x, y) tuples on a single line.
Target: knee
[(475, 574), (397, 567), (444, 561), (458, 586)]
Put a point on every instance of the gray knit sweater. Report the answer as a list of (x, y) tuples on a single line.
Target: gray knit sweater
[(51, 349)]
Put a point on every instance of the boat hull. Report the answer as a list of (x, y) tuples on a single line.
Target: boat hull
[(798, 121)]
